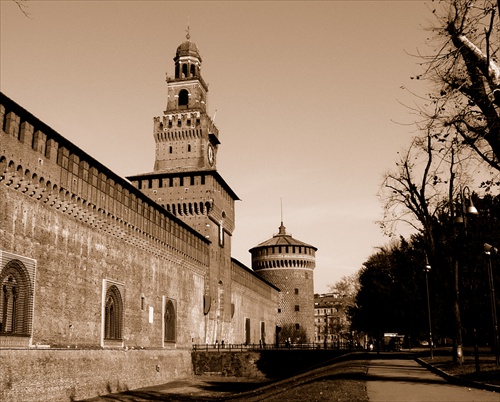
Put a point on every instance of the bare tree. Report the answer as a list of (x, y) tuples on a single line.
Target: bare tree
[(23, 6), (420, 189), (421, 186), (465, 71)]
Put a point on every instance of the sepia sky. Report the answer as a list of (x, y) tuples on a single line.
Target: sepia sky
[(307, 97)]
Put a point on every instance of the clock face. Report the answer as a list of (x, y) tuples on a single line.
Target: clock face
[(211, 154)]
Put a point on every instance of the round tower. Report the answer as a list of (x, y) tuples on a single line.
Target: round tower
[(288, 264)]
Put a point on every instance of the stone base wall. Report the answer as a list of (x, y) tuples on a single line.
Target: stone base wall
[(269, 363), (67, 375)]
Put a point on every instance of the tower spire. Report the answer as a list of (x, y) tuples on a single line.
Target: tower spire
[(188, 36), (282, 228)]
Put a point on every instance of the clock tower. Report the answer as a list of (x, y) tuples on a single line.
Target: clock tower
[(186, 138), (186, 183)]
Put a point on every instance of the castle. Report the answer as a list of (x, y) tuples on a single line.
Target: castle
[(108, 282)]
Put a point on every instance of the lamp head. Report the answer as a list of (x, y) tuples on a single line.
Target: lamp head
[(471, 209), (488, 249)]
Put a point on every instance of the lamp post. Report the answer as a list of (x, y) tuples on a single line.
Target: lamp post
[(427, 270), (488, 249), (460, 219)]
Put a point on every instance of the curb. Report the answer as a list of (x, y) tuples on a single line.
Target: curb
[(457, 380)]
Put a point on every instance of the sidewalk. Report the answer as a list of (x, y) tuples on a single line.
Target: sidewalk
[(406, 380)]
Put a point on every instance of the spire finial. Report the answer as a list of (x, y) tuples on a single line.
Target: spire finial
[(281, 202), (188, 36), (282, 229)]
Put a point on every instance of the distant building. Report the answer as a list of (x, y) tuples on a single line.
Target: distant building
[(288, 264), (331, 325)]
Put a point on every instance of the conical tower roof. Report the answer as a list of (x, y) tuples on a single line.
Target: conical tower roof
[(282, 238)]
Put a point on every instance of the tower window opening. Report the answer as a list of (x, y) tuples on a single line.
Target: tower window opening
[(189, 147), (170, 149), (183, 98), (184, 71), (193, 69), (297, 307), (296, 291)]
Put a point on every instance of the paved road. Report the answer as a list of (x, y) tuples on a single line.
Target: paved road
[(405, 380)]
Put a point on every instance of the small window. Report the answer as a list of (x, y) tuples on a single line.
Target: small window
[(170, 150), (189, 147), (297, 307), (297, 327), (296, 291), (279, 310)]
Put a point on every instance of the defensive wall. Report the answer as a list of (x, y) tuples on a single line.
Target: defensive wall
[(102, 289)]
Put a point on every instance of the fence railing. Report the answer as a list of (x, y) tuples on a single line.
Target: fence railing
[(235, 347)]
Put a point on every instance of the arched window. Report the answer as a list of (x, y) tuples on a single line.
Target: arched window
[(183, 98), (193, 69), (169, 321), (113, 314), (184, 71), (16, 300)]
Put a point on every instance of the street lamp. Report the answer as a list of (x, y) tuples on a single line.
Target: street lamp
[(427, 270), (488, 250), (459, 219)]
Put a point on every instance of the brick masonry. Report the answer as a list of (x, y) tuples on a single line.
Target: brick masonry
[(85, 227)]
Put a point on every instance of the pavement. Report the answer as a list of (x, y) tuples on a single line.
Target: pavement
[(398, 378), (405, 380)]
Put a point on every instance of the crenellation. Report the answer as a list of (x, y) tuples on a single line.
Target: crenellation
[(3, 115), (63, 157), (52, 150), (12, 122), (40, 142), (26, 133)]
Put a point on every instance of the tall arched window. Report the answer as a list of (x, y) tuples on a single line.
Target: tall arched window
[(169, 322), (16, 300), (113, 314)]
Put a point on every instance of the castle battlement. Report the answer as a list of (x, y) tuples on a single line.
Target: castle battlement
[(54, 171)]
